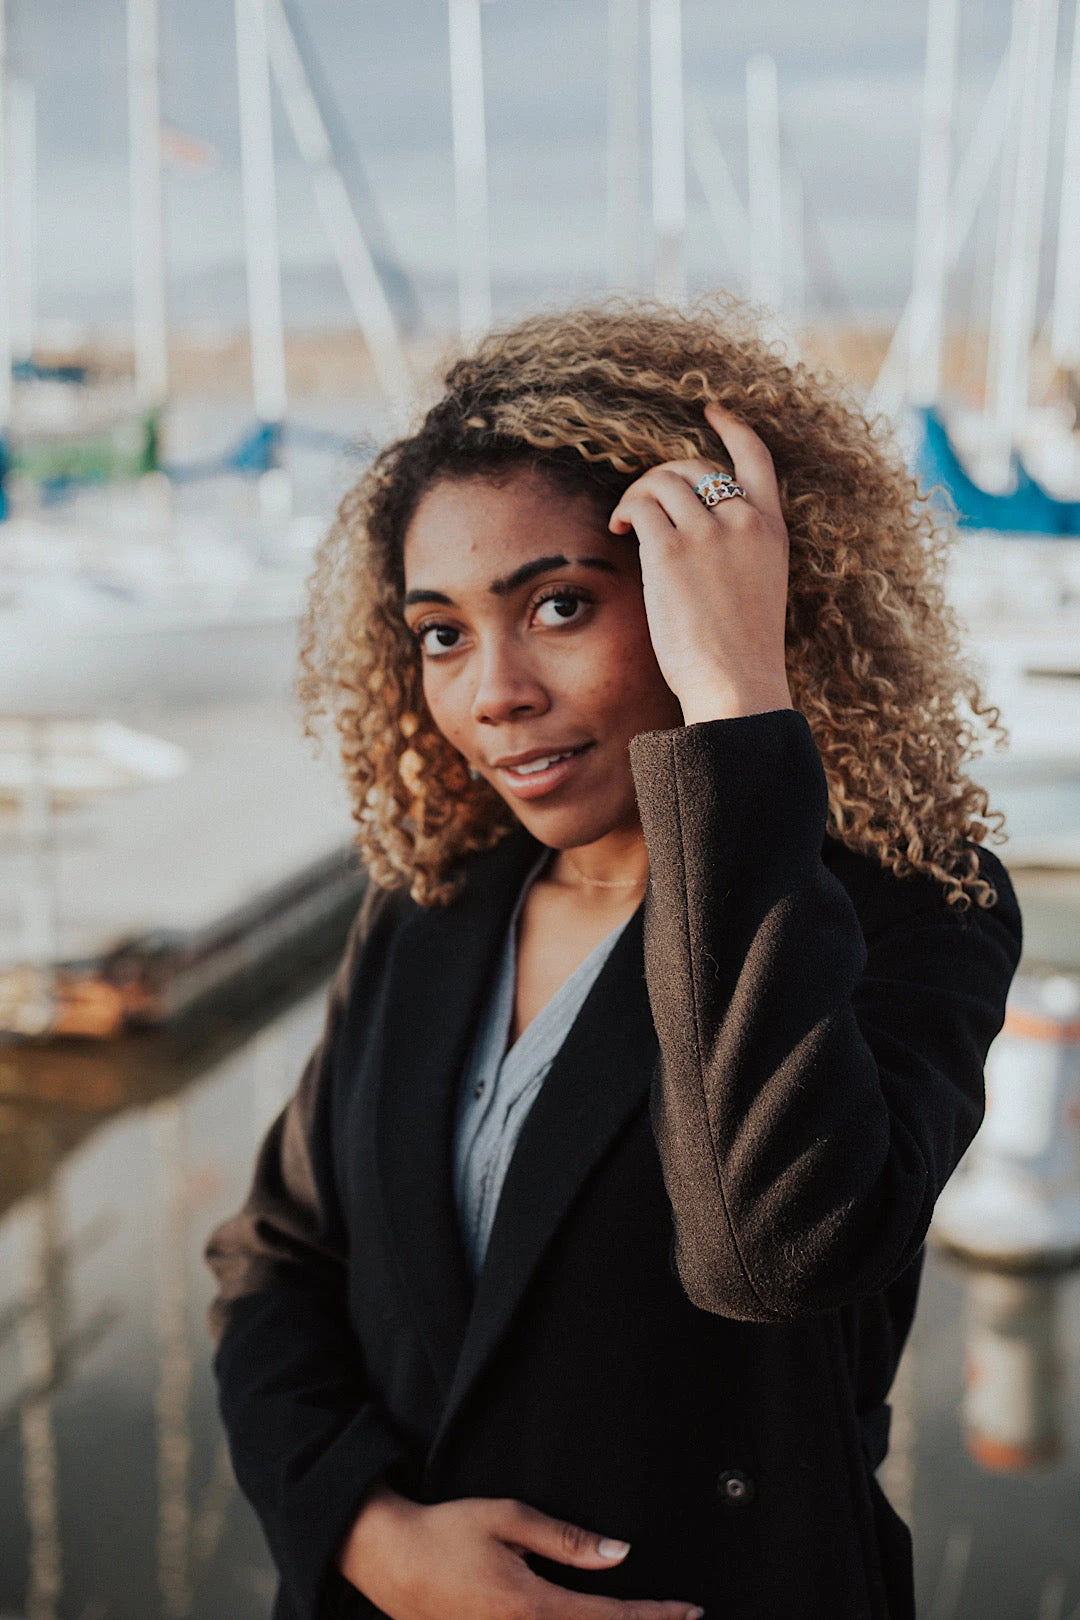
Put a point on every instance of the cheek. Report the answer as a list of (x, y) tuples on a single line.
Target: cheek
[(620, 671), (439, 694)]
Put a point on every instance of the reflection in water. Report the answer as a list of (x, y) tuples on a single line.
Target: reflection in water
[(1013, 1407), (175, 1365), (41, 1322), (122, 1148), (116, 1497)]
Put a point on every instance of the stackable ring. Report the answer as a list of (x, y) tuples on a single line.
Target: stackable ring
[(716, 487)]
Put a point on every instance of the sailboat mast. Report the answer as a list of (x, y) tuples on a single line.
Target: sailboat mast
[(623, 146), (1065, 320), (22, 133), (262, 252), (1032, 50), (974, 172), (470, 168), (713, 174), (932, 204), (668, 149), (765, 185), (5, 276), (369, 301), (147, 228)]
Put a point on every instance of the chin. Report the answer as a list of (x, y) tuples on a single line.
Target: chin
[(571, 827)]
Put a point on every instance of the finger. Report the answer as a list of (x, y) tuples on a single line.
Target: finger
[(749, 456), (574, 1606), (674, 488), (644, 514), (526, 1527)]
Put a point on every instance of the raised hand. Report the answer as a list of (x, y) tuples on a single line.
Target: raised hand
[(465, 1560), (715, 579)]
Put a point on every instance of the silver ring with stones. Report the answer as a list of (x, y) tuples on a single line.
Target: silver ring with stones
[(716, 487)]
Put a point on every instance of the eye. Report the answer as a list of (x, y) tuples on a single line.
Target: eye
[(435, 639), (562, 606)]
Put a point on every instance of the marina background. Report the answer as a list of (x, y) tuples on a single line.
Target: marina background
[(236, 242)]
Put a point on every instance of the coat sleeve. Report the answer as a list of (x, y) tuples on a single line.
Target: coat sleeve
[(306, 1435), (817, 1084)]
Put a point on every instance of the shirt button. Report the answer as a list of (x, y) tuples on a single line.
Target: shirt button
[(479, 1092), (735, 1489)]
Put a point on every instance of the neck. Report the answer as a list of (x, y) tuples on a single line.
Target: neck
[(617, 864)]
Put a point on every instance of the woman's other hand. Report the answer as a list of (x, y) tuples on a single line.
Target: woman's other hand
[(715, 579), (468, 1558)]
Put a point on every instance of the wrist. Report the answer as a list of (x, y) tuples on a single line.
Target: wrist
[(724, 701), (381, 1510)]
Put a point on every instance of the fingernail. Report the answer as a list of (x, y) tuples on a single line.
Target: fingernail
[(696, 1614), (612, 1549)]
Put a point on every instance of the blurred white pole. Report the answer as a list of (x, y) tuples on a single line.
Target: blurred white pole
[(147, 226), (369, 301), (470, 169), (5, 277), (794, 236), (1065, 317), (623, 146), (766, 190), (668, 150), (262, 252), (39, 1337), (1032, 50), (973, 175), (714, 176), (172, 1398), (932, 203), (22, 223)]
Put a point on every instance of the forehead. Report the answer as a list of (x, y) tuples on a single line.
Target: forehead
[(466, 532)]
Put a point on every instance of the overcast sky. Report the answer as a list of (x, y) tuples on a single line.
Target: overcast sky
[(849, 76)]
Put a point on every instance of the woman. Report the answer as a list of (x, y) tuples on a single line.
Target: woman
[(574, 1276)]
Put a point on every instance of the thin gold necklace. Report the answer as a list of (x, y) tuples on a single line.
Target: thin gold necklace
[(603, 883)]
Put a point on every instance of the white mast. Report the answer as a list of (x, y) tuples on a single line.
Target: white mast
[(766, 188), (1032, 49), (470, 169), (1065, 319), (717, 183), (973, 175), (668, 149), (147, 228), (794, 239), (22, 132), (932, 204), (5, 284), (262, 252), (369, 301), (623, 146)]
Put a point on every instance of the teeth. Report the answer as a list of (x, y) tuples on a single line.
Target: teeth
[(536, 765)]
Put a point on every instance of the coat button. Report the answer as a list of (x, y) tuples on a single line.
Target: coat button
[(734, 1488)]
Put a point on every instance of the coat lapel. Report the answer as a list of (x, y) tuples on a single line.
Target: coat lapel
[(599, 1079), (442, 962)]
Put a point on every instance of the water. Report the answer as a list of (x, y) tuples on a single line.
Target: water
[(116, 1502), (115, 1496)]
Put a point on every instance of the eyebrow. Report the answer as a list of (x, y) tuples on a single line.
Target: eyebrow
[(509, 583)]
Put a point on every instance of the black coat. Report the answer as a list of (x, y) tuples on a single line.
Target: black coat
[(689, 1315)]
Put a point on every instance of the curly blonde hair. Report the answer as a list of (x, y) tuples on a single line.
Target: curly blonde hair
[(591, 398)]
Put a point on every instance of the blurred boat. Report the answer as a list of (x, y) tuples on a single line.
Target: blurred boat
[(93, 618)]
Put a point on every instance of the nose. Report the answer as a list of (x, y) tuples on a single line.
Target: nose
[(507, 686)]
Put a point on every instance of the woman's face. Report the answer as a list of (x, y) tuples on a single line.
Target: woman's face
[(537, 661)]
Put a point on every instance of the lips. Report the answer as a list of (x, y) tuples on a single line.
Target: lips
[(533, 774), (541, 764)]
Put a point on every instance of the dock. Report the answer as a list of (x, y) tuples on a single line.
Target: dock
[(170, 894)]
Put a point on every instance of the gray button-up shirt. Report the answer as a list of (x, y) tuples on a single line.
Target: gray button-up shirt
[(499, 1086)]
